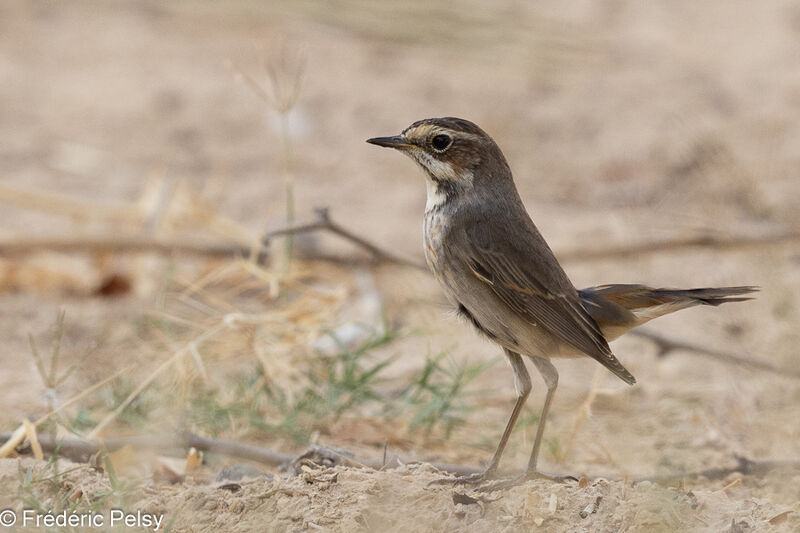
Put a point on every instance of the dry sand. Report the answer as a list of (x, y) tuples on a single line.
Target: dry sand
[(625, 122)]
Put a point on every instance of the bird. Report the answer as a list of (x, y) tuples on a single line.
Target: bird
[(498, 272)]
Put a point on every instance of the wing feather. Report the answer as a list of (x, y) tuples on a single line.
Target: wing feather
[(538, 291)]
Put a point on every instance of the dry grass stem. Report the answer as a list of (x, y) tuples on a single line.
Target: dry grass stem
[(85, 392), (12, 440), (153, 375), (284, 74), (30, 433), (70, 206), (583, 413)]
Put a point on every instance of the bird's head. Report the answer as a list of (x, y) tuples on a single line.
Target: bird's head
[(454, 153)]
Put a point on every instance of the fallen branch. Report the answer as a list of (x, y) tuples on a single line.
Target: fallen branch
[(82, 450), (744, 466), (135, 243), (325, 223), (71, 207), (666, 345), (705, 242), (144, 244), (120, 243)]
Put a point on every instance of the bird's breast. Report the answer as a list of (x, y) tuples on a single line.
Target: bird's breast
[(432, 237), (443, 243), (441, 253)]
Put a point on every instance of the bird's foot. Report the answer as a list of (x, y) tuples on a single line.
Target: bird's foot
[(506, 484), (468, 479)]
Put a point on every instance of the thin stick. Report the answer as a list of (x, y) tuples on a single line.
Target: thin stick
[(288, 185), (120, 243), (744, 466), (81, 450), (583, 412), (134, 243), (324, 222), (666, 345), (705, 242)]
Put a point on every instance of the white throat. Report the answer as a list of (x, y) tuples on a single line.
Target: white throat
[(435, 196), (436, 167)]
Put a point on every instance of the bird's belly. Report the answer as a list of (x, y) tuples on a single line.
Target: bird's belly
[(476, 301), (507, 328)]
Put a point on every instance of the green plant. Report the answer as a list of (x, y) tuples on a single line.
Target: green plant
[(436, 395), (115, 494), (137, 413), (334, 385), (31, 479), (349, 378)]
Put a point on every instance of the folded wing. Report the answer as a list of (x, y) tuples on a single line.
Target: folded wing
[(538, 291)]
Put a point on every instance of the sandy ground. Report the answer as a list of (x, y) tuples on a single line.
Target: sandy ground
[(342, 499), (624, 122)]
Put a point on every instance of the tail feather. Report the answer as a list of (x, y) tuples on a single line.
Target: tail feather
[(715, 296), (618, 308)]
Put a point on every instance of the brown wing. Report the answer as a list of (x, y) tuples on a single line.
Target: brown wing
[(537, 289)]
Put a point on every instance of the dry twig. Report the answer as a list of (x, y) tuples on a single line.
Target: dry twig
[(744, 466), (81, 450), (121, 243), (324, 222), (705, 242), (131, 212), (666, 345)]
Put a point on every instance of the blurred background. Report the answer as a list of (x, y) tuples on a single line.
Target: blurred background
[(147, 147)]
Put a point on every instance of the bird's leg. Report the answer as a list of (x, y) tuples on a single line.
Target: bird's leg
[(522, 384), (550, 376)]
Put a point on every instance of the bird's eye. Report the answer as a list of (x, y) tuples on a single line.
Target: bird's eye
[(440, 143)]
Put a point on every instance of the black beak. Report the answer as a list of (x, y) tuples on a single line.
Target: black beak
[(396, 141)]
